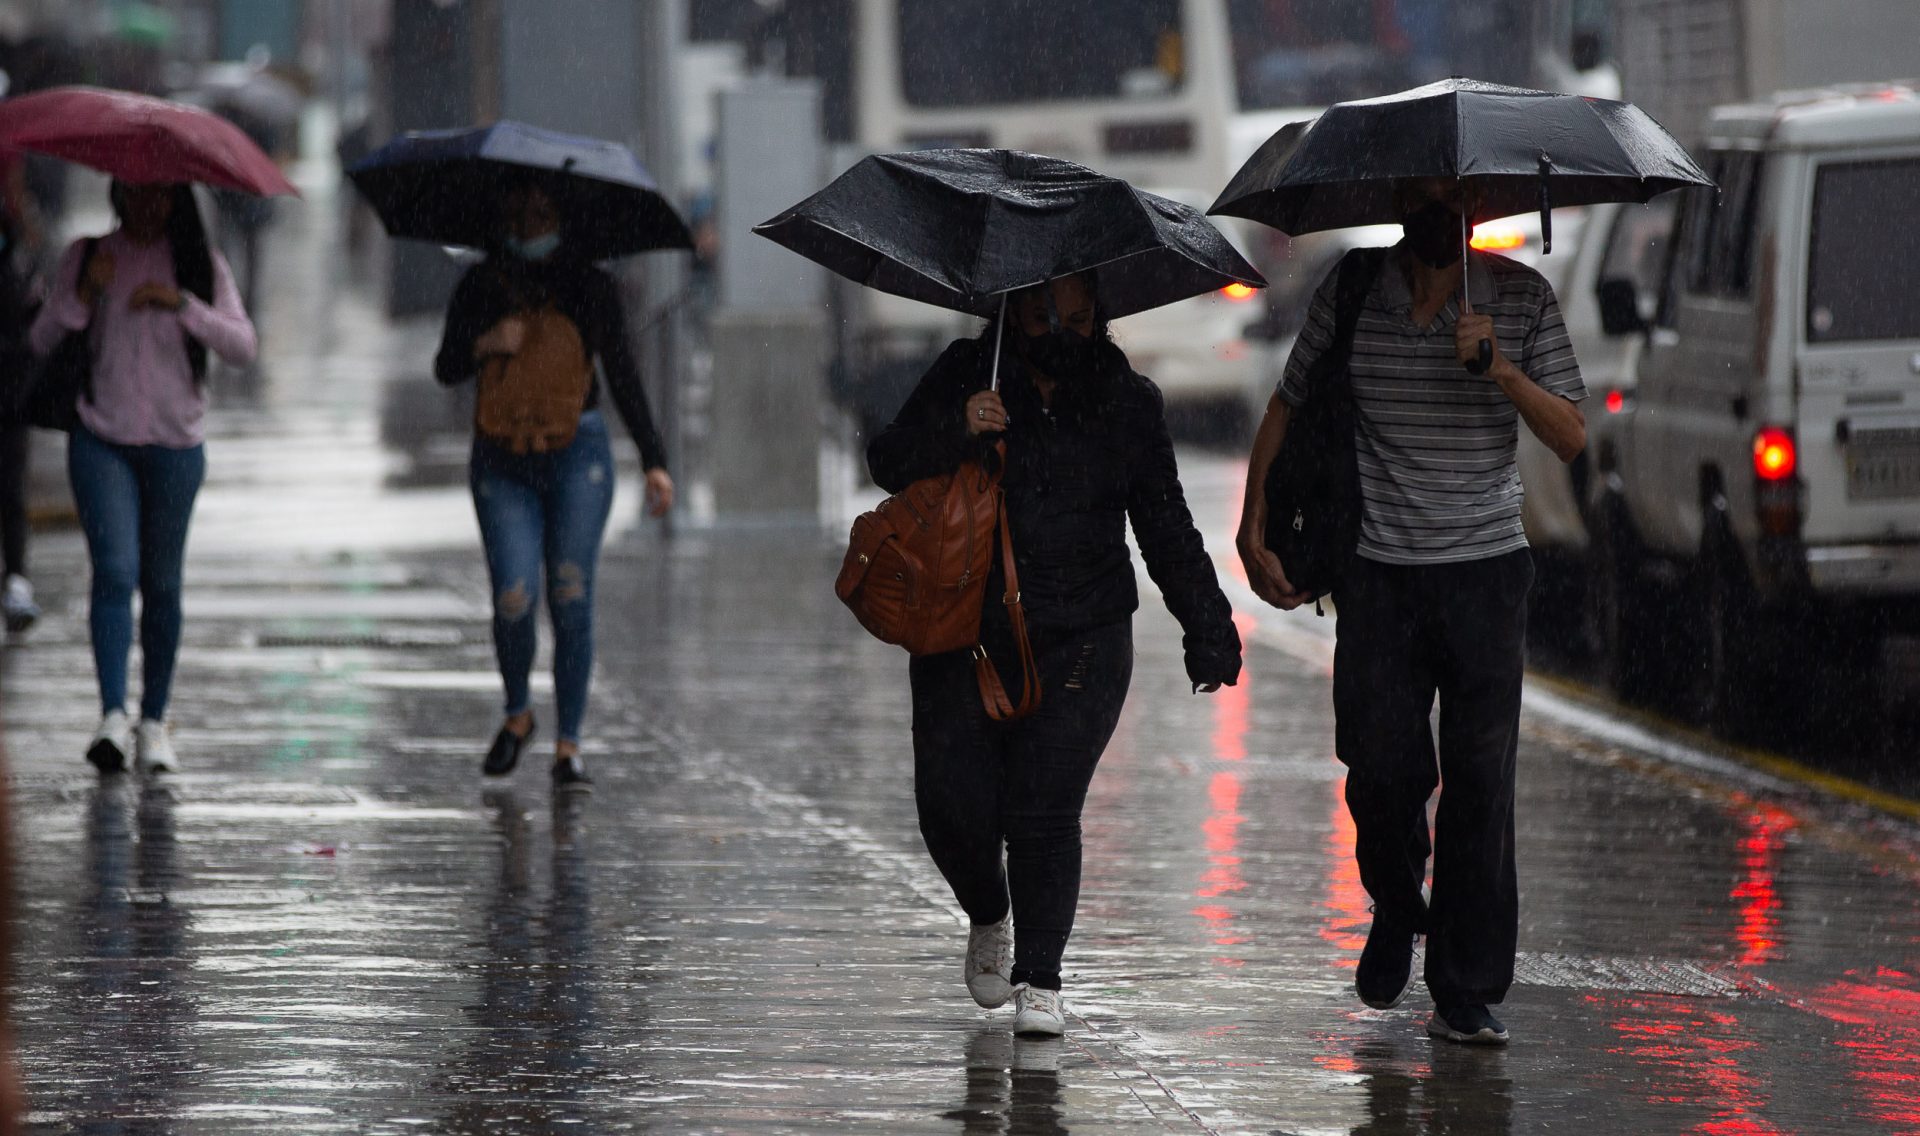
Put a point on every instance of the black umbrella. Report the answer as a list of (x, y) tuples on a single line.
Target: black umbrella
[(962, 228), (1522, 149), (1517, 145), (444, 186)]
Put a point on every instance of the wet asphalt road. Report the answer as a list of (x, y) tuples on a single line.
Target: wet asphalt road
[(329, 923)]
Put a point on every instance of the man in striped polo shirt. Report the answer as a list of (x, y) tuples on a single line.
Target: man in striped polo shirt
[(1435, 603)]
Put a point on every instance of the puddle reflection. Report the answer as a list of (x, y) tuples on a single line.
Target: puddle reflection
[(1013, 1086), (132, 937), (529, 1064), (1449, 1090)]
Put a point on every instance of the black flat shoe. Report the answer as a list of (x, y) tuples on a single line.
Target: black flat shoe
[(570, 775), (504, 753)]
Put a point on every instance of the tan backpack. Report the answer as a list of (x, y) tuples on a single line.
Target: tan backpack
[(530, 402)]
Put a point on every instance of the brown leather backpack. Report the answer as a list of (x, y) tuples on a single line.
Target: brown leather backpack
[(916, 569), (530, 401)]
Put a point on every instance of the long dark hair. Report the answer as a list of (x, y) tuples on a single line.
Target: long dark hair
[(192, 255)]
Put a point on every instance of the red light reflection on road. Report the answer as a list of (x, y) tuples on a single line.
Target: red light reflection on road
[(1884, 1014), (1696, 1051), (1221, 829), (1347, 918), (1757, 893)]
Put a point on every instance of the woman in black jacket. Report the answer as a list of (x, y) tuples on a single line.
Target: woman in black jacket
[(530, 322), (1087, 451)]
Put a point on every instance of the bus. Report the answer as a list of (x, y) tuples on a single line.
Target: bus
[(1171, 95)]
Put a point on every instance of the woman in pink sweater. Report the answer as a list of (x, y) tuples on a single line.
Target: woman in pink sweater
[(152, 298)]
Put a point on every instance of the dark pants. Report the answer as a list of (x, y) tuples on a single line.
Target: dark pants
[(1405, 635), (15, 445), (982, 785)]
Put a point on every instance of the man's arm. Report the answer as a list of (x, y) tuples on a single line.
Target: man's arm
[(1264, 574), (1554, 419)]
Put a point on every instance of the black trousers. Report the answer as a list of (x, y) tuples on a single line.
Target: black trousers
[(14, 444), (984, 786), (1405, 635)]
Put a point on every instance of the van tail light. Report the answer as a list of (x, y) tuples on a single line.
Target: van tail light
[(1239, 293), (1774, 458), (1616, 401), (1777, 490), (1496, 237)]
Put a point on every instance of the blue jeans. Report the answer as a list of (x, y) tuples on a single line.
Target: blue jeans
[(545, 511), (134, 504)]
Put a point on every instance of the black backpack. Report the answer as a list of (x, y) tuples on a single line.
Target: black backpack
[(1313, 485), (47, 392)]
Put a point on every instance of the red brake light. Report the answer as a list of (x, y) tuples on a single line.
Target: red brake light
[(1238, 292), (1616, 402), (1774, 457)]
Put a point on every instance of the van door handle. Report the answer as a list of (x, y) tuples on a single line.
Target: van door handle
[(1739, 406)]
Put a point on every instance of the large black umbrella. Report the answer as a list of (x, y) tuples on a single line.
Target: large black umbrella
[(1522, 150), (444, 186), (962, 228)]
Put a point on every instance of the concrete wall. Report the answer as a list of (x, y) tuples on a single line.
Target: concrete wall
[(1680, 58), (570, 65)]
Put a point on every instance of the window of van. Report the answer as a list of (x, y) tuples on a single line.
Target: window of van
[(1637, 245), (986, 52), (1720, 227), (1864, 265)]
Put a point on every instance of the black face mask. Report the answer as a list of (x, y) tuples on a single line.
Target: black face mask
[(1062, 354), (1433, 233)]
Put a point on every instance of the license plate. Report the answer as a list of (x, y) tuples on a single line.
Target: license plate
[(1878, 472)]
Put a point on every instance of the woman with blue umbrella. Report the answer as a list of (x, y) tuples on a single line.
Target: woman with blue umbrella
[(537, 327)]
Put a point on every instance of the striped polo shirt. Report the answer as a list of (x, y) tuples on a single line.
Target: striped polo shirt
[(1438, 479)]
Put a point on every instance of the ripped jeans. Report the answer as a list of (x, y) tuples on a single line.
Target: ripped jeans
[(545, 512)]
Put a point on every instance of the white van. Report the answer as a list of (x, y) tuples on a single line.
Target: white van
[(1769, 463), (1596, 248)]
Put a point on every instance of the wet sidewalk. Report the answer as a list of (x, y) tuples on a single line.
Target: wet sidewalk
[(330, 924)]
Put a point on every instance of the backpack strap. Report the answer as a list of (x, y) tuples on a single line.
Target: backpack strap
[(1358, 271)]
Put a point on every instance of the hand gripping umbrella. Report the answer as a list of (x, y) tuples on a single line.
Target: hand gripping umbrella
[(1521, 149), (444, 185), (137, 138), (961, 229)]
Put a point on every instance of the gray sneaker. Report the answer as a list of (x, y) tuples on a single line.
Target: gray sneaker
[(16, 604), (990, 962), (153, 748), (1038, 1012)]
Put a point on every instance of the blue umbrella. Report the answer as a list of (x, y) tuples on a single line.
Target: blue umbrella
[(445, 186)]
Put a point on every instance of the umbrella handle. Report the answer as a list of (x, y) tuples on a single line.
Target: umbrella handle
[(1481, 365), (999, 344)]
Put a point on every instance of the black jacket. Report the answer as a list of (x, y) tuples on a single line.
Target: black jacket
[(1075, 477), (584, 294)]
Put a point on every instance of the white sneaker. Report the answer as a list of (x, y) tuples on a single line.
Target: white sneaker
[(112, 742), (154, 745), (16, 604), (1037, 1012), (990, 962)]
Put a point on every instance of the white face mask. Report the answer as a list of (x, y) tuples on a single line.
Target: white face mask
[(539, 248)]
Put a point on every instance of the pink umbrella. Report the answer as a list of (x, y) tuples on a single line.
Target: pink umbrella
[(140, 139)]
